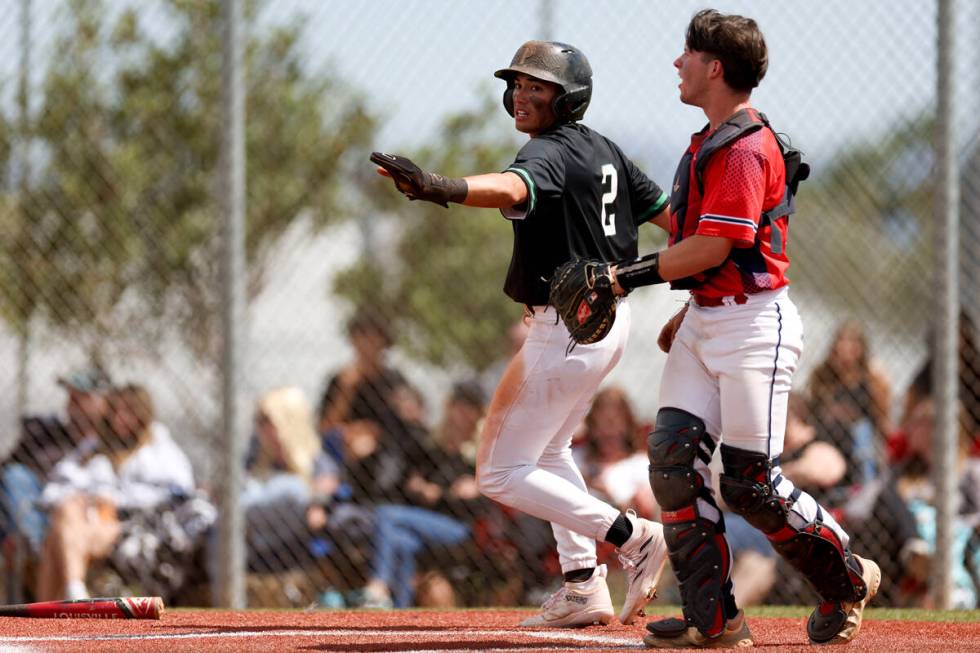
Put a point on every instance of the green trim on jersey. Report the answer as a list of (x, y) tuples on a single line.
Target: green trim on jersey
[(657, 207), (532, 193)]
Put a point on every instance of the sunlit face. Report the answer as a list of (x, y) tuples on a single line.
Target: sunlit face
[(268, 436), (694, 69), (849, 348), (369, 344), (123, 419), (463, 418), (407, 404), (534, 110), (86, 413), (609, 422), (919, 428)]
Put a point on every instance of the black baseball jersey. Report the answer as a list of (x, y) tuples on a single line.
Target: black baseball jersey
[(585, 200)]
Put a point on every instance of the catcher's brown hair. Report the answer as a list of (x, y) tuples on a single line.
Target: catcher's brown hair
[(734, 40)]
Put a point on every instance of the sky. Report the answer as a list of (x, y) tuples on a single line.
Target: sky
[(840, 71)]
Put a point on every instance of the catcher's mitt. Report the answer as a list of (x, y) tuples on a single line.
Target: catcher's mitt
[(581, 291), (417, 184)]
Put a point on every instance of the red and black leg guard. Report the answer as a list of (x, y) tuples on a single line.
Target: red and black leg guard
[(698, 551), (813, 549)]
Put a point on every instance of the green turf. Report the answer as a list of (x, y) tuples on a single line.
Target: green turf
[(788, 611), (793, 611)]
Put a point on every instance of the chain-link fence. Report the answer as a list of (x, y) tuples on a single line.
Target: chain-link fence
[(376, 329)]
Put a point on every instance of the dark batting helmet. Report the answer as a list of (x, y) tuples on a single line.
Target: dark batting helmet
[(555, 62)]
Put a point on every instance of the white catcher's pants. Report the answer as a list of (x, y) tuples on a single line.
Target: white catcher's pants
[(733, 367), (525, 457)]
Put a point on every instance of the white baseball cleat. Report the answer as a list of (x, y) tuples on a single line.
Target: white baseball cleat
[(575, 605), (643, 557)]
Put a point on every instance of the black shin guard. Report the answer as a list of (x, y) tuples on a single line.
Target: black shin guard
[(701, 560), (697, 547), (814, 549)]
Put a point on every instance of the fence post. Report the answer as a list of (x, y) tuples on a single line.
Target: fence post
[(231, 457), (946, 369)]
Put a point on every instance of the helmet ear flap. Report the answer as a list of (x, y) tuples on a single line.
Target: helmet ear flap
[(509, 98), (572, 104)]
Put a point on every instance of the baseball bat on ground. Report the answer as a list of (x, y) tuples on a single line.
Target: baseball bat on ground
[(117, 607)]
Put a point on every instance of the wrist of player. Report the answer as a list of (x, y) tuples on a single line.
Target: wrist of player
[(442, 190), (640, 271)]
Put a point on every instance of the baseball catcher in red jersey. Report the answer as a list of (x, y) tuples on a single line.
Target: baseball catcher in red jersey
[(570, 194), (731, 356)]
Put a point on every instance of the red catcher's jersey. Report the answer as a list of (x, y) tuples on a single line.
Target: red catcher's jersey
[(741, 180)]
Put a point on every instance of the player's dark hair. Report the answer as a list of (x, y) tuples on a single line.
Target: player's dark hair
[(734, 40)]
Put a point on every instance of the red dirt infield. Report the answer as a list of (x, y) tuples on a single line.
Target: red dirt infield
[(429, 631)]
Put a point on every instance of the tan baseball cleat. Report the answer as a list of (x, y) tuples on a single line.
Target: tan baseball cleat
[(675, 633)]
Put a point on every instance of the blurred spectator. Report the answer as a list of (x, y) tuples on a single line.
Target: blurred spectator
[(448, 485), (969, 382), (441, 487), (127, 495), (379, 458), (385, 451), (360, 420), (42, 442), (612, 453), (290, 487), (849, 402), (448, 482), (916, 486), (362, 389), (87, 409), (287, 474)]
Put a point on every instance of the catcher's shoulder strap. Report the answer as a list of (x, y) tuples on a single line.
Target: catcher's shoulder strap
[(742, 123), (745, 122)]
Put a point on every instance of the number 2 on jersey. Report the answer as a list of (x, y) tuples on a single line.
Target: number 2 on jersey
[(608, 219)]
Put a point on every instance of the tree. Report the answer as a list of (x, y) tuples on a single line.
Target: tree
[(124, 223), (442, 286), (862, 234)]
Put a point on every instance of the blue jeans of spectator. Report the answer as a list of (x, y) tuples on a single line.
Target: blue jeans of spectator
[(401, 533), (20, 489), (865, 455)]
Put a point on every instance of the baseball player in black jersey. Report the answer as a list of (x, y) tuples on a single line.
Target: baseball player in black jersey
[(570, 193)]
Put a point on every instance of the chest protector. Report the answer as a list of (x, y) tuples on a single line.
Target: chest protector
[(742, 123)]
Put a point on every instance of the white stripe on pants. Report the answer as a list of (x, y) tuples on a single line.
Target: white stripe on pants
[(525, 457)]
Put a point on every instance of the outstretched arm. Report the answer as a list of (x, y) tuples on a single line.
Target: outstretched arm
[(496, 190)]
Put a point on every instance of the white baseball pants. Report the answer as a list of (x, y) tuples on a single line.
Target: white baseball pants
[(733, 366), (525, 457)]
